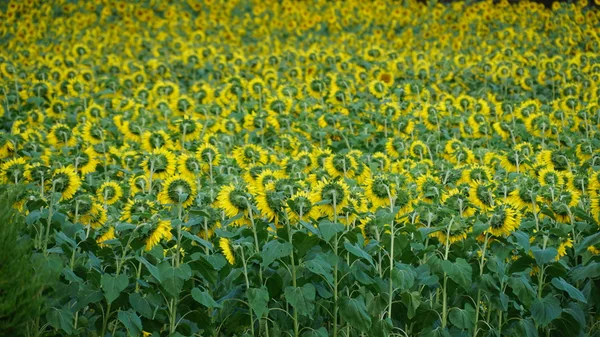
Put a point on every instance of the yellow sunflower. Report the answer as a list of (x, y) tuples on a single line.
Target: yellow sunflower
[(161, 230), (109, 192), (109, 234), (227, 250), (331, 192), (178, 189), (61, 135), (379, 190), (505, 218), (250, 154), (234, 200), (65, 181), (13, 170), (160, 164)]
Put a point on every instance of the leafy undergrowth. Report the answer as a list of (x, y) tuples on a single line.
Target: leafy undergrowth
[(249, 168)]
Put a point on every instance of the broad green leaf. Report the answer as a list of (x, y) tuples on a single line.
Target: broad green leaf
[(588, 241), (204, 298), (321, 332), (412, 301), (575, 293), (544, 256), (274, 250), (403, 276), (459, 272), (259, 300), (546, 310), (580, 273), (113, 285), (522, 239), (197, 239), (172, 278), (328, 229), (320, 267), (522, 288), (61, 319), (151, 268), (140, 304), (131, 321), (354, 311), (463, 318), (357, 251), (301, 298), (524, 328)]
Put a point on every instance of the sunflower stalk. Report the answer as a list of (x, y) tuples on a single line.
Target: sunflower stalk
[(445, 290)]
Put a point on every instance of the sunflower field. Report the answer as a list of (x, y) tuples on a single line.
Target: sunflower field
[(299, 168)]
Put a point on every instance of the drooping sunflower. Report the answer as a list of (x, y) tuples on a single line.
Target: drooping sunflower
[(61, 135), (481, 194), (234, 200), (86, 161), (270, 203), (334, 192), (160, 231), (109, 192), (562, 248), (458, 200), (452, 231), (137, 211), (429, 187), (301, 207), (178, 189), (209, 156), (160, 164), (92, 133), (505, 218), (108, 235), (158, 139), (138, 184), (13, 170), (64, 181), (340, 165), (227, 250), (548, 176), (250, 154), (380, 191)]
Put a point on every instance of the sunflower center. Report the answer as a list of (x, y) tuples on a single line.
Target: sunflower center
[(333, 192), (238, 199), (109, 192), (157, 140)]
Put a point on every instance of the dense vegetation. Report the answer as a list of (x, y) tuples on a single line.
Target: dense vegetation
[(310, 168)]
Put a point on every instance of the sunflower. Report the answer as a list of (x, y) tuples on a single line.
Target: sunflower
[(61, 135), (301, 207), (86, 161), (379, 190), (160, 164), (505, 218), (138, 184), (562, 203), (481, 194), (227, 250), (250, 154), (92, 133), (456, 199), (108, 235), (270, 203), (189, 128), (429, 187), (189, 165), (109, 192), (477, 172), (330, 193), (178, 189), (548, 176), (96, 217), (152, 140), (36, 173), (265, 177), (209, 156), (340, 165), (452, 231), (418, 149), (65, 181), (161, 230), (13, 170), (137, 211), (562, 248), (234, 200)]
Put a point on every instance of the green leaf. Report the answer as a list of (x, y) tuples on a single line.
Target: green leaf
[(522, 288), (259, 300), (575, 293), (172, 278), (546, 310), (140, 304), (151, 268), (522, 239), (321, 332), (131, 321), (113, 285), (197, 239), (328, 229), (302, 299), (274, 250), (357, 251), (543, 256), (587, 242), (61, 319), (463, 318), (412, 300), (320, 267), (459, 272), (204, 298), (525, 328), (354, 311), (403, 276), (580, 273)]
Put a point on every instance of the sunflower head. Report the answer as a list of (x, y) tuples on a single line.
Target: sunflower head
[(178, 189), (109, 192), (65, 181)]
